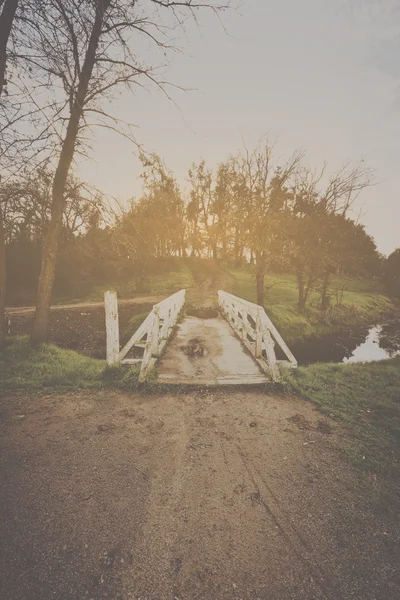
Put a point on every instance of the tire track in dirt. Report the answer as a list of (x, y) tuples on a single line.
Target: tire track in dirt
[(266, 498), (151, 573), (215, 509)]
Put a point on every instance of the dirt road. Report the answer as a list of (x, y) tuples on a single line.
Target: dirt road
[(20, 310), (221, 495)]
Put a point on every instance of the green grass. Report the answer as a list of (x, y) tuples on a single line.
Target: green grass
[(365, 398), (354, 301), (171, 281), (24, 367), (47, 365), (164, 280)]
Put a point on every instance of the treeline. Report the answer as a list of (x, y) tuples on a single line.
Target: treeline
[(250, 210), (391, 273)]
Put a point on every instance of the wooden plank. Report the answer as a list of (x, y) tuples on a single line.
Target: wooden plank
[(259, 336), (112, 327), (176, 299), (271, 358), (147, 352), (155, 331), (279, 339), (171, 379), (242, 379), (131, 361), (137, 336)]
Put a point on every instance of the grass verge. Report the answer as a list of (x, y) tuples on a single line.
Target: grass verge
[(23, 367), (365, 398)]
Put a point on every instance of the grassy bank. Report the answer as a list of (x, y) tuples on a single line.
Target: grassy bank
[(365, 399), (27, 367), (353, 302), (48, 366)]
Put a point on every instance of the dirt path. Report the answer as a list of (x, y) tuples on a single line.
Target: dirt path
[(207, 283), (19, 310), (215, 496)]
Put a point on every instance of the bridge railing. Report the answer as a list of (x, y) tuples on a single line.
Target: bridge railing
[(256, 330), (152, 335)]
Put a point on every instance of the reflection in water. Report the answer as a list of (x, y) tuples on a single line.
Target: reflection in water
[(370, 349), (361, 345)]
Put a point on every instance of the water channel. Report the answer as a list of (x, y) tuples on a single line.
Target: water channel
[(363, 344)]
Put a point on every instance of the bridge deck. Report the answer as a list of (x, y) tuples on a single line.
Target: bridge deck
[(207, 352)]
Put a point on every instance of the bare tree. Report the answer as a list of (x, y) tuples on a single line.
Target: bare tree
[(7, 14), (266, 198), (202, 206), (82, 53), (320, 232)]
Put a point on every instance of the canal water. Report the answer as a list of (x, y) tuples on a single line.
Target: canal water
[(365, 344)]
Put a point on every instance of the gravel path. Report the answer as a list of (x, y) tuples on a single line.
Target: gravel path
[(220, 495)]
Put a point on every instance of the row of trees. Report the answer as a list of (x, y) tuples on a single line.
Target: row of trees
[(249, 210), (253, 210)]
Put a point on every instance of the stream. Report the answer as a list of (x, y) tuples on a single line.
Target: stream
[(362, 344)]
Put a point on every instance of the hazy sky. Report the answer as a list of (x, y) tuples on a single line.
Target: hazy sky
[(321, 75)]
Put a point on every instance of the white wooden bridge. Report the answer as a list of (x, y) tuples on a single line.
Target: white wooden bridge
[(234, 345)]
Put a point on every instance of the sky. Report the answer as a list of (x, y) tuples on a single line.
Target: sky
[(321, 76)]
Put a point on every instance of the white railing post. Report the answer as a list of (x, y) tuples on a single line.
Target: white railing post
[(259, 336), (271, 358), (146, 360), (155, 331), (112, 327)]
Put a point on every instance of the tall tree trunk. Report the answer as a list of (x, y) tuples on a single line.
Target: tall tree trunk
[(260, 276), (237, 249), (50, 247), (7, 15), (6, 20), (324, 292), (301, 290), (260, 287), (3, 279)]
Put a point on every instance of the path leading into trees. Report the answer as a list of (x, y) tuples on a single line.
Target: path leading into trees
[(207, 280), (209, 495)]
